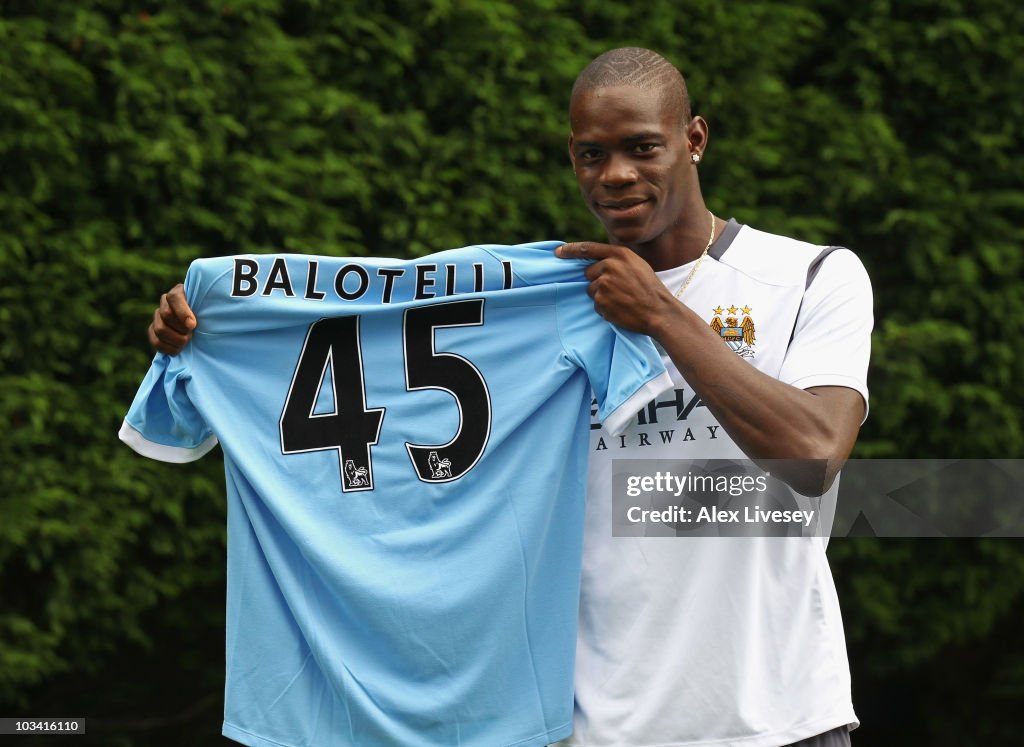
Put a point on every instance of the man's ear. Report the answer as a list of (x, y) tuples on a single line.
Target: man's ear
[(697, 135)]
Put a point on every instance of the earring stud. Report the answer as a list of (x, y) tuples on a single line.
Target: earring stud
[(695, 157)]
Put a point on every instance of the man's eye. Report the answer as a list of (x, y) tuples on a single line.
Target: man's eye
[(644, 147), (590, 155)]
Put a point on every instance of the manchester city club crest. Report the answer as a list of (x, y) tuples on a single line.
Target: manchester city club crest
[(738, 335)]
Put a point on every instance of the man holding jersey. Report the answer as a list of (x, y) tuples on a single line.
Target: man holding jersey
[(725, 641)]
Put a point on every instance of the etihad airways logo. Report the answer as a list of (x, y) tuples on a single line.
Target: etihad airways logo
[(662, 426)]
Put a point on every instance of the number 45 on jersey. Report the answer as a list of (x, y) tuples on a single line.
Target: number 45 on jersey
[(352, 429)]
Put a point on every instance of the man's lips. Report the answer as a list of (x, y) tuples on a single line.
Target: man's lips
[(624, 208)]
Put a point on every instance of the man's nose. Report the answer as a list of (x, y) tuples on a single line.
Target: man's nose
[(618, 171)]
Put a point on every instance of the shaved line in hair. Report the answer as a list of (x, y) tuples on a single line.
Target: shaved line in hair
[(640, 68)]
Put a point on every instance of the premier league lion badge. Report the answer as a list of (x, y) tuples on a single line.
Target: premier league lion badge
[(439, 468), (738, 335)]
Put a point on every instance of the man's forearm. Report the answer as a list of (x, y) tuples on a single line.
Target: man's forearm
[(767, 418)]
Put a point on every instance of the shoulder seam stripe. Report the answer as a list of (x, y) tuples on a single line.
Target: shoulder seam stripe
[(812, 269), (812, 272), (724, 241)]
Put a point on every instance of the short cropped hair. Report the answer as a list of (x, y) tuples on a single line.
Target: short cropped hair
[(638, 67)]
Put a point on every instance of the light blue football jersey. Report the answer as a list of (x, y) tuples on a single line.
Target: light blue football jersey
[(405, 450)]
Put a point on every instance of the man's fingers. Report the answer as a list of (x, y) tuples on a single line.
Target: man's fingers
[(173, 322), (175, 311), (585, 250), (166, 317), (162, 348), (164, 338), (158, 344)]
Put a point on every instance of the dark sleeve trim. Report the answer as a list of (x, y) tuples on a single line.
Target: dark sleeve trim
[(812, 272)]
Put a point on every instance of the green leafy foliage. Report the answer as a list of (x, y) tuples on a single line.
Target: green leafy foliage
[(135, 137)]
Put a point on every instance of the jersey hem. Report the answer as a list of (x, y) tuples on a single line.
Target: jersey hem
[(162, 452), (805, 730), (850, 382), (249, 739), (619, 418)]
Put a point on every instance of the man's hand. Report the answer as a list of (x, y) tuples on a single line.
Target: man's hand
[(173, 322), (813, 429), (625, 290)]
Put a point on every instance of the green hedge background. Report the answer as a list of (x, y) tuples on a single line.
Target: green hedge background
[(135, 137)]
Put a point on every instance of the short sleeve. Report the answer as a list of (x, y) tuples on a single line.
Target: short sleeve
[(625, 370), (162, 422), (831, 343)]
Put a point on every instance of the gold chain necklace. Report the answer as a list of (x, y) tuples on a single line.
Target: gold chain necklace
[(700, 259)]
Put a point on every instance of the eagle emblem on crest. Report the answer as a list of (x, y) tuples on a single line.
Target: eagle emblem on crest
[(737, 334)]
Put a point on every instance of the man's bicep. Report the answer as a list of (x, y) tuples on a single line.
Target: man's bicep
[(845, 409), (839, 411)]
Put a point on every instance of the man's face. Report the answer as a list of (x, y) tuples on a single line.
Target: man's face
[(632, 160)]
